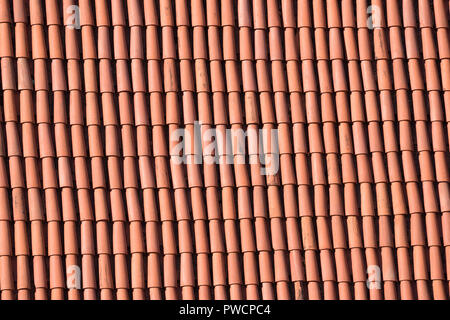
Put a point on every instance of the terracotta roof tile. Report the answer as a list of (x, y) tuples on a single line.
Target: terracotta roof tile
[(96, 204)]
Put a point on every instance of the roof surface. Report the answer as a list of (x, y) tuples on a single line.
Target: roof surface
[(94, 203)]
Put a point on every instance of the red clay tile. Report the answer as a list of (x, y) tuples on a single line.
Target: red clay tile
[(357, 209)]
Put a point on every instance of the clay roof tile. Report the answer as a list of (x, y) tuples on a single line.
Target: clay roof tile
[(356, 95)]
